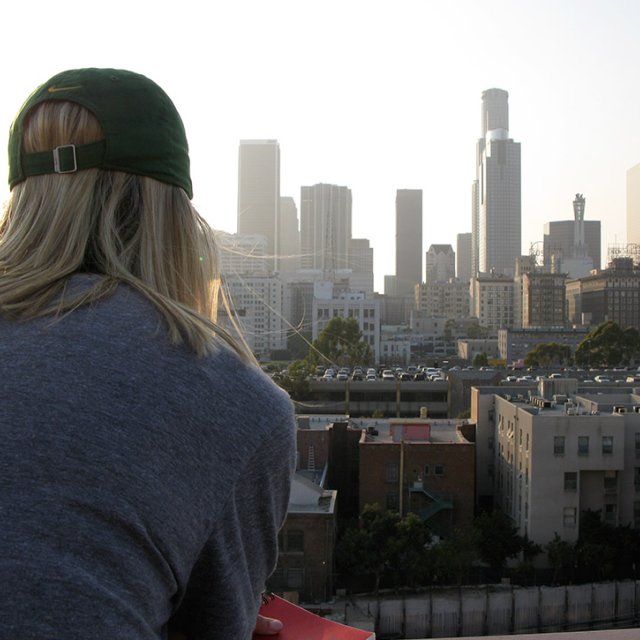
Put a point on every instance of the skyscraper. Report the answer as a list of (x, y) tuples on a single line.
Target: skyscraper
[(325, 227), (572, 246), (440, 263), (259, 192), (463, 256), (633, 205), (496, 210), (288, 236), (408, 240)]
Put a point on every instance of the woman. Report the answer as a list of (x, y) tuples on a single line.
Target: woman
[(146, 460)]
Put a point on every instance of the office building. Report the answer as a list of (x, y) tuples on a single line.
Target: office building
[(572, 246), (289, 236), (408, 240), (259, 192), (361, 265), (444, 299), (515, 343), (366, 311), (543, 299), (325, 227), (242, 254), (493, 300), (463, 257), (633, 205), (610, 294), (440, 263), (496, 206), (257, 305)]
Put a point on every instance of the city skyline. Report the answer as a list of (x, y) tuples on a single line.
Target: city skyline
[(391, 104)]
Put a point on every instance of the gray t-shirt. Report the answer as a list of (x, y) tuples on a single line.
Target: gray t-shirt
[(137, 481)]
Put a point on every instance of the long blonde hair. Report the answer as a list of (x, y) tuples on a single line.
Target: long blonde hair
[(122, 227)]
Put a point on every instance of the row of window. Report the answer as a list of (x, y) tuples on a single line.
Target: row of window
[(610, 483), (393, 471), (583, 445)]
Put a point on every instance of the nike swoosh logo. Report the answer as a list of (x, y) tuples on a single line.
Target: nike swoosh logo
[(54, 89)]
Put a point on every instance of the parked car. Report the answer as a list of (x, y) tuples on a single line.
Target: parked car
[(387, 374)]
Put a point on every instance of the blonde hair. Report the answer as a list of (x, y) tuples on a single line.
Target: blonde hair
[(122, 227)]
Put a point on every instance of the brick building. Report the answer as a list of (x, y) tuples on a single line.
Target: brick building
[(420, 466)]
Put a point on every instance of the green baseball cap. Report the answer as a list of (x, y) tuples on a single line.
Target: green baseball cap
[(144, 133)]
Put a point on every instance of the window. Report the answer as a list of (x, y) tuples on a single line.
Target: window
[(569, 516), (438, 469), (295, 579), (610, 482), (392, 502), (637, 445), (558, 445), (426, 469), (583, 445), (636, 478), (295, 540), (490, 443), (392, 472), (607, 445), (570, 481)]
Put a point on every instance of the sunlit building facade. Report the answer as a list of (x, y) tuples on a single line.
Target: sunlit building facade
[(496, 212)]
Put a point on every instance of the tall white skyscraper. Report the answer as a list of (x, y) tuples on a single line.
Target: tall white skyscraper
[(325, 227), (496, 205), (259, 193), (408, 240)]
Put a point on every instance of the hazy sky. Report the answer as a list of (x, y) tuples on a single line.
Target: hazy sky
[(375, 95)]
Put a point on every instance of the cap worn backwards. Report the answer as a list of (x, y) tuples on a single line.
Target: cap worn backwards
[(144, 133)]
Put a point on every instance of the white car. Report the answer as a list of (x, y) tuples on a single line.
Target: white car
[(387, 374)]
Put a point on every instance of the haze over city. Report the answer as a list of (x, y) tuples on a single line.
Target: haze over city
[(375, 96)]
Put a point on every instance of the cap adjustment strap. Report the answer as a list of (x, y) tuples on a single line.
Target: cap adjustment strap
[(66, 158)]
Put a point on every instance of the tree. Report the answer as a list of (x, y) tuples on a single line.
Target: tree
[(296, 381), (369, 548), (340, 342), (608, 345), (384, 541), (410, 544), (475, 330), (453, 558), (298, 344), (497, 539), (562, 558), (549, 354), (480, 360)]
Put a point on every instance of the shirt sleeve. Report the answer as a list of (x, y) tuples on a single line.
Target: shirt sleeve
[(223, 594)]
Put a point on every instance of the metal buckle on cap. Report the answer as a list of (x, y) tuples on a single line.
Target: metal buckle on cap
[(57, 163)]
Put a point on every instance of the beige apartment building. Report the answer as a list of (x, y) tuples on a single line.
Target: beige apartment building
[(548, 455)]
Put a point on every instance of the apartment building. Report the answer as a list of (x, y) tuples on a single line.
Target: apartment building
[(548, 455)]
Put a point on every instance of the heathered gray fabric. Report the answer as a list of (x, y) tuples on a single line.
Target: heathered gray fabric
[(135, 480)]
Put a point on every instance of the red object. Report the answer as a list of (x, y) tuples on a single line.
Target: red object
[(300, 624)]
